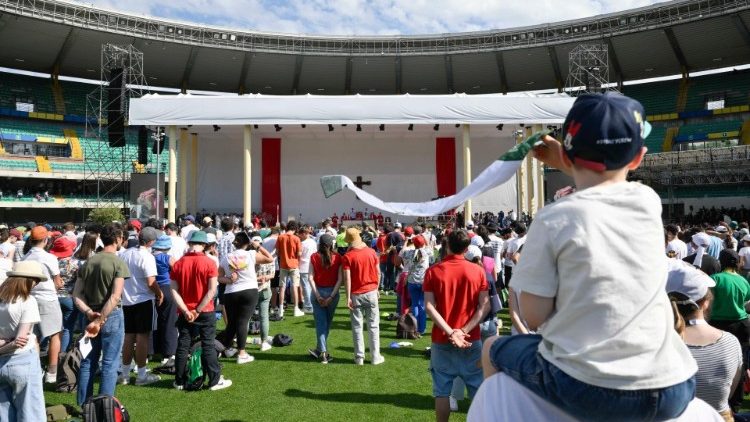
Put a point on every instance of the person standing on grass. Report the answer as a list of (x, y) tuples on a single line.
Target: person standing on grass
[(325, 281), (97, 295), (456, 299), (62, 249), (264, 273), (138, 297), (165, 336), (194, 281), (420, 262), (361, 277), (289, 251), (241, 294), (45, 294), (308, 248)]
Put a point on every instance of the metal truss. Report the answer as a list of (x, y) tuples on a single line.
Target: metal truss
[(588, 69), (705, 167), (107, 173), (595, 28)]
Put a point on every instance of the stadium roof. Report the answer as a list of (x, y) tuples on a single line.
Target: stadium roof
[(661, 40)]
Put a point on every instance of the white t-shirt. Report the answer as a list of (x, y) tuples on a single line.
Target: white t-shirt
[(309, 247), (179, 246), (7, 248), (185, 231), (247, 278), (46, 290), (497, 246), (679, 247), (269, 244), (5, 266), (745, 253), (14, 314), (599, 253), (142, 265), (501, 398), (511, 247)]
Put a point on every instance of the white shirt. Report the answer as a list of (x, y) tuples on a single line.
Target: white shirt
[(46, 290), (269, 244), (179, 246), (14, 314), (6, 249), (185, 231), (142, 265), (511, 247), (5, 266), (309, 247), (745, 253), (497, 246), (501, 398), (679, 247), (247, 278), (599, 253)]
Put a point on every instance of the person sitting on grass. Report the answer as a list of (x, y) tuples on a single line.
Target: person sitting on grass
[(592, 279)]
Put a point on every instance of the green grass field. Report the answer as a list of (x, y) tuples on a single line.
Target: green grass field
[(286, 384)]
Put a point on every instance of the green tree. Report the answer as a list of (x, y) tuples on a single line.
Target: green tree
[(106, 216)]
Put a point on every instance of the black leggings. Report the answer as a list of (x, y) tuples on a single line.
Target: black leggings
[(240, 307)]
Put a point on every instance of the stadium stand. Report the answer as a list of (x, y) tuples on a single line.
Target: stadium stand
[(656, 97), (731, 87)]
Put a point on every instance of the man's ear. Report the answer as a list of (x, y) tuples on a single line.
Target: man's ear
[(636, 161)]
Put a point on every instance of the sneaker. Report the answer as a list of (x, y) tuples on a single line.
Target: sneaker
[(230, 352), (453, 403), (308, 310), (359, 361), (168, 361), (276, 318), (222, 384), (244, 359), (123, 379), (50, 378), (298, 313), (314, 353), (378, 360), (148, 379), (265, 346), (178, 387), (325, 358)]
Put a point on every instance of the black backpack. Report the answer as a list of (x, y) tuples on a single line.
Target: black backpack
[(281, 340), (67, 372), (406, 327), (104, 408)]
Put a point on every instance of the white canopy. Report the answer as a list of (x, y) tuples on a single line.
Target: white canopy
[(165, 110)]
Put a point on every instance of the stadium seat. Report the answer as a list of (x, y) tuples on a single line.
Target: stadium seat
[(733, 87), (656, 97)]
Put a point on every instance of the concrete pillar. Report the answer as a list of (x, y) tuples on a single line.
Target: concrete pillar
[(171, 183), (247, 176), (521, 180), (183, 152), (194, 172), (466, 153), (529, 163), (538, 181)]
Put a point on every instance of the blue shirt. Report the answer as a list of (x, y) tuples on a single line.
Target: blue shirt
[(162, 269)]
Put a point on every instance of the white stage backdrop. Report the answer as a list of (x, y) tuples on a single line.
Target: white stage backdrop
[(399, 163)]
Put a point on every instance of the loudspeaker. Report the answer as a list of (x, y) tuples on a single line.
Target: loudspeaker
[(143, 135), (116, 108)]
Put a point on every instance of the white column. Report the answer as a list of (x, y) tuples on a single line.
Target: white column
[(247, 176), (538, 180), (183, 152), (194, 172), (520, 180), (466, 149), (171, 186)]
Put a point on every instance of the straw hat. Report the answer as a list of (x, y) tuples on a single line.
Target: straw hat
[(28, 269)]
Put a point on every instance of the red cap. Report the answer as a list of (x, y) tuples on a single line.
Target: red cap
[(409, 231), (63, 247), (17, 234), (418, 241), (135, 224)]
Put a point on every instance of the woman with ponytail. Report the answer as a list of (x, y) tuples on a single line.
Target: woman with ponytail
[(718, 353), (325, 279)]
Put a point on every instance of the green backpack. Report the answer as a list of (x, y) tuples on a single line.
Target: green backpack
[(195, 376)]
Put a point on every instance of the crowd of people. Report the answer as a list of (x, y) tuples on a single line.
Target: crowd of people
[(614, 315)]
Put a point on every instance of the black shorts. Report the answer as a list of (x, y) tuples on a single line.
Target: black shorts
[(275, 280), (139, 318)]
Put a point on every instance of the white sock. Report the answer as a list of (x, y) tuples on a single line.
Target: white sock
[(125, 369), (142, 372)]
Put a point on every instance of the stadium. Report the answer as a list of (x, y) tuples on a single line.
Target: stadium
[(698, 153)]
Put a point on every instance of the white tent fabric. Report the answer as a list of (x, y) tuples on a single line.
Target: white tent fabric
[(221, 110)]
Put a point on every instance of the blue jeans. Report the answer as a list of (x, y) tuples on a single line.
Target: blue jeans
[(517, 356), (70, 318), (416, 295), (108, 344), (306, 290), (21, 392), (448, 362), (324, 317)]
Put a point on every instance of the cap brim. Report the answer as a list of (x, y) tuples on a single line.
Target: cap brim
[(646, 129)]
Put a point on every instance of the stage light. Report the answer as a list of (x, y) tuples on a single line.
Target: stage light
[(382, 127), (436, 127), (217, 128), (330, 128), (359, 127), (499, 127), (458, 125), (411, 127), (277, 127), (255, 126), (304, 126)]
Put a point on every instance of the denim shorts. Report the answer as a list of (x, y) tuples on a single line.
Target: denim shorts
[(518, 357), (448, 362)]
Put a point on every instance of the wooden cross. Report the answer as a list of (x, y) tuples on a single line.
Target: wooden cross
[(360, 183)]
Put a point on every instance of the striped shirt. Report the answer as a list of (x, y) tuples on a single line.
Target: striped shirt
[(717, 365)]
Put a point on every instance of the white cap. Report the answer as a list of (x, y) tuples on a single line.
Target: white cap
[(691, 282), (746, 238), (257, 239), (210, 238), (477, 241), (397, 225), (469, 224), (720, 229), (472, 252)]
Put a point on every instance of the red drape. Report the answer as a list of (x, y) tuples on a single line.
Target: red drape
[(445, 166), (271, 180)]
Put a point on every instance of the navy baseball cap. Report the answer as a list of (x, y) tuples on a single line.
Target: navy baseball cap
[(604, 131)]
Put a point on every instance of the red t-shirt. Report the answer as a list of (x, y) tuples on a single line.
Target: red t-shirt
[(363, 265), (456, 284), (380, 245), (325, 277), (288, 247), (191, 273)]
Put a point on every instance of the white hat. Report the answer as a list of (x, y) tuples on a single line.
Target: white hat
[(472, 252), (28, 269), (397, 225), (477, 241), (702, 241), (689, 281), (746, 238), (720, 229), (469, 224), (257, 239), (210, 238)]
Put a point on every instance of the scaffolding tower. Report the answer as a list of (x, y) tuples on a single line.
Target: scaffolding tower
[(588, 69), (107, 169)]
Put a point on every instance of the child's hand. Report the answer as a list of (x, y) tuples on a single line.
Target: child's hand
[(550, 153)]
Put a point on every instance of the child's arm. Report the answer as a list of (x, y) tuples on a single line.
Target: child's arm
[(535, 310), (515, 317)]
